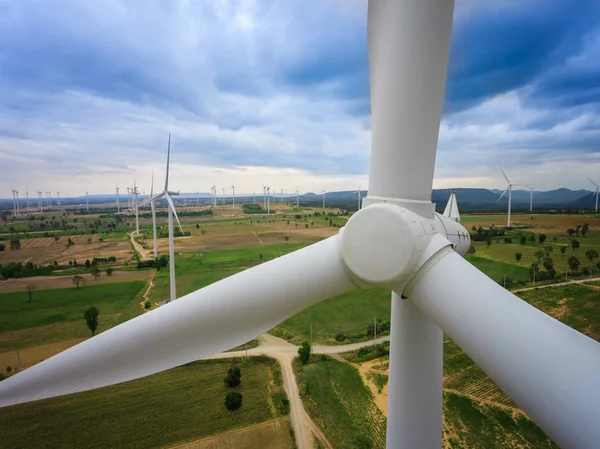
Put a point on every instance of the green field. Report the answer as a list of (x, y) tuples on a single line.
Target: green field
[(178, 405), (64, 304), (471, 424), (497, 270), (337, 400)]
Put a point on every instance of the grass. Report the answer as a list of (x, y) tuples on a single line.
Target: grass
[(471, 424), (178, 405), (64, 304), (497, 270), (338, 401)]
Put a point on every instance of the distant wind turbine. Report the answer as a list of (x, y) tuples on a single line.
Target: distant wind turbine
[(451, 210), (167, 194), (233, 195), (596, 193), (530, 196), (509, 190), (118, 206)]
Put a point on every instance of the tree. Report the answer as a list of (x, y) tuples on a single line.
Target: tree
[(91, 319), (532, 238), (286, 238), (542, 238), (591, 254), (88, 263), (234, 377), (518, 256), (30, 289), (77, 279), (109, 271), (2, 247), (574, 244), (563, 249), (96, 273), (584, 229), (304, 352), (548, 264), (15, 245), (573, 263), (539, 254), (471, 249), (233, 400), (488, 242), (548, 250), (570, 232), (523, 240)]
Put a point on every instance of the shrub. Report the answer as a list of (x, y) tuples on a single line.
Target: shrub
[(233, 400), (234, 377), (304, 352), (147, 304)]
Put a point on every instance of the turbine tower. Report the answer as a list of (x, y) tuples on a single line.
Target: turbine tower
[(58, 199), (167, 194), (297, 198), (323, 198), (509, 190), (135, 194), (223, 197), (49, 197), (41, 201), (87, 201), (118, 206), (396, 241), (596, 193), (530, 187), (27, 199), (15, 195), (233, 195), (359, 198)]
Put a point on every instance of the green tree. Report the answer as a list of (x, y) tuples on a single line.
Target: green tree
[(574, 244), (563, 249), (591, 254), (304, 352), (234, 377), (570, 231), (109, 271), (471, 249), (584, 229), (286, 238), (88, 263), (197, 226), (233, 400), (548, 250), (96, 272), (30, 290), (573, 263), (539, 254), (548, 264), (532, 238), (15, 244), (518, 256), (542, 238), (77, 280), (523, 240), (91, 319)]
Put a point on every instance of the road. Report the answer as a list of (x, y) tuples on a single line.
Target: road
[(284, 353), (145, 255), (578, 281)]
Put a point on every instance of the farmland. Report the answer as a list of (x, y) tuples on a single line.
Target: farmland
[(215, 247), (177, 406)]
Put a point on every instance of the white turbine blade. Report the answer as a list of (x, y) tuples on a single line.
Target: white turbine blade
[(590, 179), (152, 186), (152, 198), (172, 206), (208, 321), (503, 193), (168, 157), (504, 174), (550, 370)]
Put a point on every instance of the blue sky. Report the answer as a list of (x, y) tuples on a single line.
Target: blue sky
[(276, 92)]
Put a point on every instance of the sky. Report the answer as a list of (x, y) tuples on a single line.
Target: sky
[(277, 92)]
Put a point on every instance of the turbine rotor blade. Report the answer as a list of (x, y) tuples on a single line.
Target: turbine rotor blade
[(590, 179), (503, 193), (504, 174), (550, 370), (168, 158), (172, 206), (208, 321)]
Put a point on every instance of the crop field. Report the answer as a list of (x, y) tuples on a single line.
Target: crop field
[(342, 406), (174, 407), (57, 315)]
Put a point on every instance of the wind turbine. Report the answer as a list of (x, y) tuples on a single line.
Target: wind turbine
[(135, 205), (87, 201), (233, 195), (359, 198), (15, 194), (596, 193), (58, 199), (167, 194), (118, 206), (268, 200), (49, 197), (223, 197), (297, 198), (451, 210), (530, 196), (509, 190), (41, 201), (27, 199), (395, 241)]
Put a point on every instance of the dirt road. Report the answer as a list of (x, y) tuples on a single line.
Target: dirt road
[(145, 255)]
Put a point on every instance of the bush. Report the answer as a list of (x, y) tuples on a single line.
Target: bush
[(304, 352), (233, 400), (234, 377), (147, 304)]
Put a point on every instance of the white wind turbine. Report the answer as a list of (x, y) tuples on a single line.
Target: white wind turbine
[(167, 194), (359, 198), (87, 201), (135, 194), (530, 187), (233, 195), (451, 210), (41, 201), (297, 198), (118, 205), (396, 241), (323, 198), (596, 193), (509, 190)]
